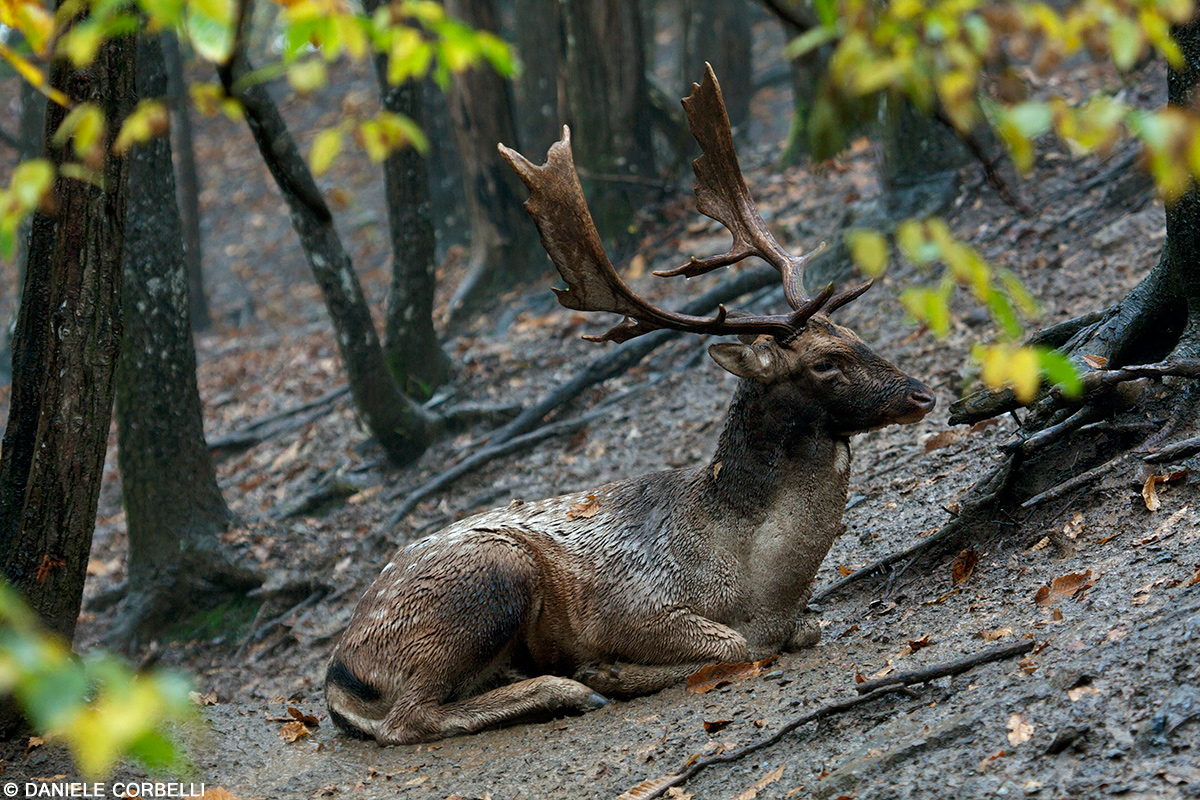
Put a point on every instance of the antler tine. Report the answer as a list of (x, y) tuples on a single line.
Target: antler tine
[(569, 235), (845, 297), (721, 194)]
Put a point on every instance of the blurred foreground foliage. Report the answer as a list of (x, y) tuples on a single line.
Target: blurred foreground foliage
[(972, 63), (97, 705)]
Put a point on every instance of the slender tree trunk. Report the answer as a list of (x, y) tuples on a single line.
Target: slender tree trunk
[(718, 32), (609, 108), (451, 220), (1182, 251), (540, 47), (173, 508), (410, 342), (188, 180), (64, 357), (30, 127), (400, 426), (920, 159), (504, 249)]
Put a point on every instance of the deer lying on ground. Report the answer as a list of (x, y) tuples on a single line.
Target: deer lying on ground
[(553, 607)]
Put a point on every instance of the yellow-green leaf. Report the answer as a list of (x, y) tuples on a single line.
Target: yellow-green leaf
[(869, 249), (325, 149)]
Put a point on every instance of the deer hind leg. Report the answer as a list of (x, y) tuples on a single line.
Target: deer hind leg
[(542, 697)]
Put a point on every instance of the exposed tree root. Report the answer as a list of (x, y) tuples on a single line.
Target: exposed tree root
[(892, 684), (203, 577)]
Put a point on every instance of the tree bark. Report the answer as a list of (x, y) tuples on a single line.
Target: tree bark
[(451, 220), (609, 108), (504, 249), (188, 180), (1182, 251), (410, 342), (30, 127), (400, 426), (173, 508), (64, 358), (718, 32), (920, 159), (539, 42)]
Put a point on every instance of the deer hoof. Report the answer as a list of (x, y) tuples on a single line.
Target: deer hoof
[(594, 701), (601, 677)]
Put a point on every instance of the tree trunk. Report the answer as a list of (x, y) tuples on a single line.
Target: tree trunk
[(451, 221), (718, 32), (504, 249), (920, 159), (609, 108), (64, 357), (400, 426), (30, 126), (410, 343), (1182, 252), (540, 46), (173, 508), (188, 180)]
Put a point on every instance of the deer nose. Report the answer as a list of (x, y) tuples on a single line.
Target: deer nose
[(923, 399)]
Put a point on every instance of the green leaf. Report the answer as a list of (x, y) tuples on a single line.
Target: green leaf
[(1125, 41), (1059, 371), (325, 149), (307, 76), (810, 40), (869, 249), (827, 11), (30, 182)]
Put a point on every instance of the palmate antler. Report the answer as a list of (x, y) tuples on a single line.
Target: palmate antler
[(558, 207)]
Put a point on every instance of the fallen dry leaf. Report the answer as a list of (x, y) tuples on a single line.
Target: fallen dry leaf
[(209, 698), (1073, 528), (716, 725), (300, 716), (679, 794), (995, 635), (1080, 691), (761, 784), (584, 509), (943, 439), (963, 566), (924, 641), (1166, 529), (716, 675), (1194, 579), (1150, 493), (984, 763), (844, 571), (1065, 586), (35, 742), (646, 788), (1019, 730), (218, 793), (294, 731), (1095, 362)]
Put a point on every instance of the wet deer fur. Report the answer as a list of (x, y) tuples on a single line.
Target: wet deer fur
[(552, 607)]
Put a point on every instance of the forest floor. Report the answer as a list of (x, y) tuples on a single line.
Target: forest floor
[(1107, 704)]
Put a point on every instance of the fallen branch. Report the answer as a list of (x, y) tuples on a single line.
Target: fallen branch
[(260, 430), (946, 668), (1071, 484), (1175, 452), (503, 448), (892, 685), (625, 356)]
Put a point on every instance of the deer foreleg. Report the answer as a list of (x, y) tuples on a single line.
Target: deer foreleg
[(807, 632)]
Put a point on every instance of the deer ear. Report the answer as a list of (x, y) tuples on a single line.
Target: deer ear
[(743, 360)]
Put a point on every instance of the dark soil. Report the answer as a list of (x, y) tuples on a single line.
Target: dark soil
[(1107, 705)]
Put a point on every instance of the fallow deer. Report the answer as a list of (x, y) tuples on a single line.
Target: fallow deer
[(542, 609)]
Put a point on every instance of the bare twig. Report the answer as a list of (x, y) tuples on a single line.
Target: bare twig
[(946, 668), (799, 21), (895, 684), (1175, 452), (1071, 484), (263, 428), (977, 150)]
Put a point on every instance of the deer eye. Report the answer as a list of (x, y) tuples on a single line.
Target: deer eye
[(824, 366)]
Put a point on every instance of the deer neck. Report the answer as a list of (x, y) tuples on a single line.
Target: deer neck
[(773, 457)]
